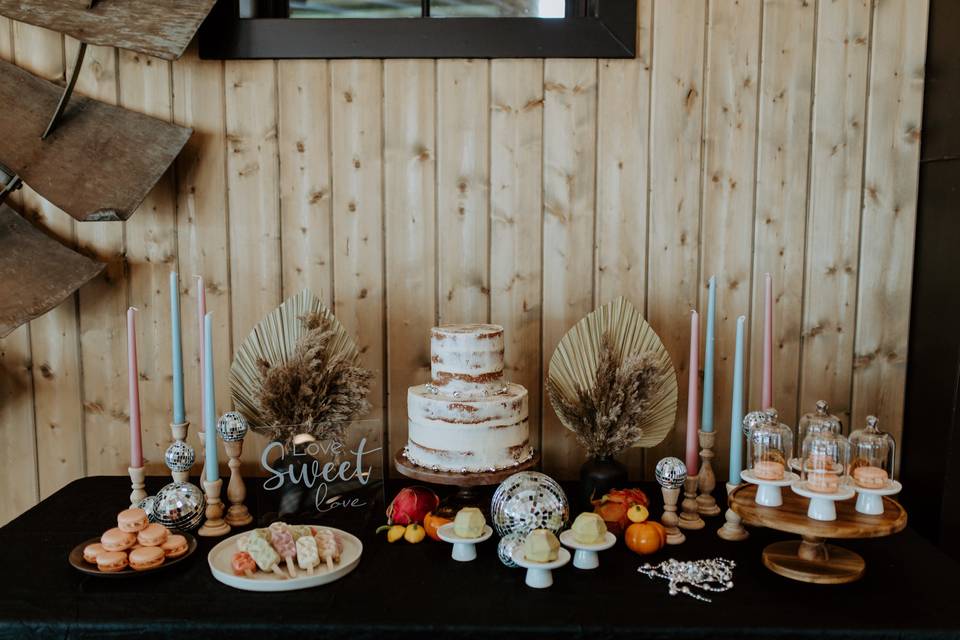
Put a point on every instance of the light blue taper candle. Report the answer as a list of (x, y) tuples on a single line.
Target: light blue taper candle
[(209, 417), (179, 414), (706, 413), (736, 411)]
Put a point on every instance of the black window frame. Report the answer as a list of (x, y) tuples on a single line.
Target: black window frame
[(608, 31)]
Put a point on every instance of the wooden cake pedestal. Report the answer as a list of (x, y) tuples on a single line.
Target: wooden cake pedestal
[(470, 484), (812, 559)]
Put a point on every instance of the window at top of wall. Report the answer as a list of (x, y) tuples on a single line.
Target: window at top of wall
[(239, 29)]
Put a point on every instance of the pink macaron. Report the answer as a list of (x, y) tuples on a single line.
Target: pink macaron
[(117, 540), (132, 520)]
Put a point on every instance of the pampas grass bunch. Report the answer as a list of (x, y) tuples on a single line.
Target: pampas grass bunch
[(606, 419), (318, 390)]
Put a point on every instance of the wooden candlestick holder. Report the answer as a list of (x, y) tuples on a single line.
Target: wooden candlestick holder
[(137, 485), (179, 431), (689, 518), (214, 525), (732, 530), (811, 558), (669, 518), (707, 481), (237, 514)]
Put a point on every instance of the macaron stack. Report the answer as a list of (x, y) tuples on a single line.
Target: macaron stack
[(135, 543)]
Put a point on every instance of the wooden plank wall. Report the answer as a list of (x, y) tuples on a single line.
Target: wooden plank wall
[(748, 136)]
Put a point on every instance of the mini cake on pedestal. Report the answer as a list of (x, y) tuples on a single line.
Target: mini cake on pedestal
[(467, 419)]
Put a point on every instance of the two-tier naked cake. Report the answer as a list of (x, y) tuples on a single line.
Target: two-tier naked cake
[(467, 419)]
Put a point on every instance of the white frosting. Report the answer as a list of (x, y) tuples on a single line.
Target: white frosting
[(468, 418), (467, 359)]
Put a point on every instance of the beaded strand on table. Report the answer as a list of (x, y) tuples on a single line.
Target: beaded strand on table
[(714, 575)]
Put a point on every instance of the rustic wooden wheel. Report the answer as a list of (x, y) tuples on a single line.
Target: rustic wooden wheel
[(812, 559)]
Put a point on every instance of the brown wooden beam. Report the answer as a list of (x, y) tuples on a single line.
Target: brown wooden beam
[(36, 272), (161, 28), (98, 163)]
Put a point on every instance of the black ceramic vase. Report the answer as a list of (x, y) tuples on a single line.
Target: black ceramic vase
[(598, 476)]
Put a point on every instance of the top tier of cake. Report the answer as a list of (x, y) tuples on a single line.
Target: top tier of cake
[(466, 360)]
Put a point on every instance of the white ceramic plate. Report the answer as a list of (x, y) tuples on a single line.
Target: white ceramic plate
[(220, 556)]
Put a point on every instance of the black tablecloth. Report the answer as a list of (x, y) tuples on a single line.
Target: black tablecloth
[(402, 590)]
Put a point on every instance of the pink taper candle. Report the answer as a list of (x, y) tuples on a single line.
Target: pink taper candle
[(766, 391), (201, 312), (693, 397), (133, 382)]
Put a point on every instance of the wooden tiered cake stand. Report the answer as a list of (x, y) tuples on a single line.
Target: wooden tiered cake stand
[(469, 494), (812, 559)]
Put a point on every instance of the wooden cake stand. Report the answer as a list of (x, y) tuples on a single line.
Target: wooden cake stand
[(812, 559), (469, 494)]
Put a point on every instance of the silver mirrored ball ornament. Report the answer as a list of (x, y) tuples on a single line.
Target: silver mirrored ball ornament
[(232, 426), (179, 456), (752, 420), (147, 505), (526, 501), (670, 473), (507, 545), (180, 506)]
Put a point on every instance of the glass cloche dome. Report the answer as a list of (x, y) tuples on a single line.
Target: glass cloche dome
[(815, 422), (769, 447), (818, 420), (824, 459), (872, 454)]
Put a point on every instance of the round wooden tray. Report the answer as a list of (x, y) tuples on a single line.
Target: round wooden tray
[(451, 478), (811, 559)]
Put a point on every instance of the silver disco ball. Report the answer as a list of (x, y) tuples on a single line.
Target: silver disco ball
[(752, 420), (526, 501), (507, 545), (671, 473), (232, 426), (179, 456), (180, 506), (147, 505)]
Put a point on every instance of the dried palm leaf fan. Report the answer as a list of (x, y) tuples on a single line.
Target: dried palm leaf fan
[(603, 349), (298, 373)]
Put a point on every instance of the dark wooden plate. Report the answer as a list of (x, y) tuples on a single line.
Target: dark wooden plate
[(78, 563)]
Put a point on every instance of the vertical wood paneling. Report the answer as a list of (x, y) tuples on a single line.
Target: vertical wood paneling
[(745, 137), (202, 223), (253, 188), (358, 297), (151, 254), (833, 227), (516, 154), (729, 159), (409, 157), (103, 304), (569, 179), (304, 147), (623, 137), (19, 461), (54, 344), (673, 259), (18, 451), (894, 116), (786, 83), (463, 193)]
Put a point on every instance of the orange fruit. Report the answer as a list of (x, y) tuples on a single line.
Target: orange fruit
[(433, 522), (645, 538), (637, 513)]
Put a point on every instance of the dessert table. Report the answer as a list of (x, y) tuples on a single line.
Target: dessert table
[(403, 590)]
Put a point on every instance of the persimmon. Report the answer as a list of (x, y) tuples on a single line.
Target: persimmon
[(432, 522), (645, 538)]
